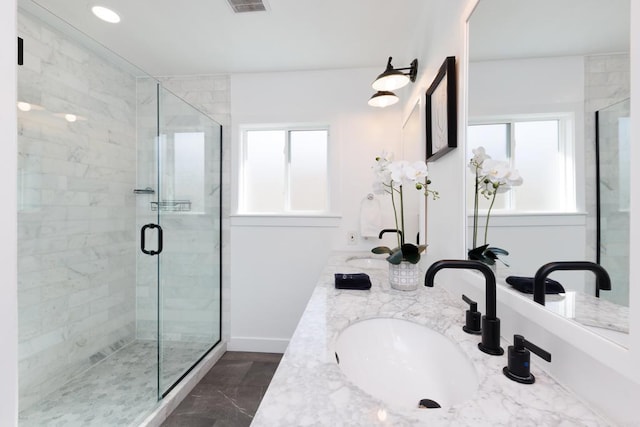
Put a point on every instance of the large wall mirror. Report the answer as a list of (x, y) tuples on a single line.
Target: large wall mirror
[(540, 72)]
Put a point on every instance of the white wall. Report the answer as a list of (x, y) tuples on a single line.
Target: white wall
[(443, 34), (8, 217), (275, 263)]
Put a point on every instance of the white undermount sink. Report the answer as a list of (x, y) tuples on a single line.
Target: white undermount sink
[(401, 363), (367, 262)]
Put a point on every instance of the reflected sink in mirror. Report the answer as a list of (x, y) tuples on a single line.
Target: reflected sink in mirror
[(401, 363), (367, 262)]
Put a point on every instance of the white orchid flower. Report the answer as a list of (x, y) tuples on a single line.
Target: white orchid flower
[(479, 156), (398, 171), (416, 171), (495, 171), (514, 179)]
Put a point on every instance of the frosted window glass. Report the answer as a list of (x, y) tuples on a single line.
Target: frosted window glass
[(495, 140), (308, 170), (537, 157), (285, 170), (264, 171), (535, 149)]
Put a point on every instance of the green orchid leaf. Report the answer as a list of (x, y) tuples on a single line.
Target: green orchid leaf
[(411, 253), (409, 248), (381, 250), (498, 251), (412, 258), (490, 255), (482, 254), (395, 257), (477, 253)]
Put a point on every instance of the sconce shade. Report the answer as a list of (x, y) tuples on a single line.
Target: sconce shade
[(395, 78), (383, 99), (390, 80)]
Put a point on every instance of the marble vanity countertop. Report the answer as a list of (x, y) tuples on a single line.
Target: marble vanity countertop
[(308, 388), (583, 308)]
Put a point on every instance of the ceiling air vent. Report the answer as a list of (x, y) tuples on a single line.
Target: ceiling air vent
[(241, 6)]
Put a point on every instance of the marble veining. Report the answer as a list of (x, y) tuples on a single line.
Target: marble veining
[(121, 390), (581, 307), (308, 388)]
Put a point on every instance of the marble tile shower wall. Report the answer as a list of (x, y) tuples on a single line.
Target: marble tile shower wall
[(607, 81), (76, 210), (190, 268)]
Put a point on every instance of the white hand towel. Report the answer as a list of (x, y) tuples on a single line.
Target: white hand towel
[(370, 217)]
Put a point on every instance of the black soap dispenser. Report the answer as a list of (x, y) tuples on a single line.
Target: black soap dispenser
[(473, 316), (519, 358)]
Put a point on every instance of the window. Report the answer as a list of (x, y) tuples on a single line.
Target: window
[(541, 149), (284, 170)]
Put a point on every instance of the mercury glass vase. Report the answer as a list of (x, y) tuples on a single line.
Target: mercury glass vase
[(404, 276)]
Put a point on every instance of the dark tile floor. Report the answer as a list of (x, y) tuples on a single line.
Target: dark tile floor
[(229, 394)]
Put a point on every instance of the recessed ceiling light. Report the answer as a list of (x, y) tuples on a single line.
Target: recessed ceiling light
[(71, 117), (106, 14)]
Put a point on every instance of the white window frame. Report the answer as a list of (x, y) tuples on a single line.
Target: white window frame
[(287, 128), (566, 141)]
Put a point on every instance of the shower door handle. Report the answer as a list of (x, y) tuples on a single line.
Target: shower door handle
[(143, 231)]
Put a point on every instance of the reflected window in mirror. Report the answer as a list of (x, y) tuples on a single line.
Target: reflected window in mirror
[(541, 149)]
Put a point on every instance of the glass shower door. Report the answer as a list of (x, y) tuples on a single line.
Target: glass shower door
[(188, 206), (612, 148)]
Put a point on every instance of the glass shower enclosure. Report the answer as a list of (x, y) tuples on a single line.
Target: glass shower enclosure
[(612, 193), (119, 232), (178, 218)]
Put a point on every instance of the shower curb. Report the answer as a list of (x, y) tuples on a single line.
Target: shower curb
[(180, 391)]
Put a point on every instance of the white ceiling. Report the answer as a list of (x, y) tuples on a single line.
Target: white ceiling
[(171, 37), (501, 29)]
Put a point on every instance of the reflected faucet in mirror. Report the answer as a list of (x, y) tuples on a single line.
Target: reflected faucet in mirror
[(603, 282), (490, 323)]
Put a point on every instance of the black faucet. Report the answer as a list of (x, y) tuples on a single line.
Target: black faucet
[(490, 323), (390, 230), (539, 283)]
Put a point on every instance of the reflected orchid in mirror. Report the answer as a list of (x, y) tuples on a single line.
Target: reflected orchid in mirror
[(492, 177), (390, 178)]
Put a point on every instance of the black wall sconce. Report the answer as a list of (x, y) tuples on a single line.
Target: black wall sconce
[(390, 80)]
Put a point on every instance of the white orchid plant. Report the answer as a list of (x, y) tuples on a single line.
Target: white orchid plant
[(391, 178), (492, 177)]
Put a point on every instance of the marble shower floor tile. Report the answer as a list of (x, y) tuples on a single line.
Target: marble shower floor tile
[(119, 391)]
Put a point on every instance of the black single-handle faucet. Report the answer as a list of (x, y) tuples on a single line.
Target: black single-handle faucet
[(490, 323), (539, 283), (390, 230)]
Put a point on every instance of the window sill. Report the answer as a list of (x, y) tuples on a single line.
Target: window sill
[(286, 220), (531, 219)]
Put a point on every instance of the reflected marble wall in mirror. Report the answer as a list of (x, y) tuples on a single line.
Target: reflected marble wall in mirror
[(538, 72)]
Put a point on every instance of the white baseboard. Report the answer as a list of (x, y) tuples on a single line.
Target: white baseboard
[(258, 344)]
